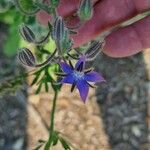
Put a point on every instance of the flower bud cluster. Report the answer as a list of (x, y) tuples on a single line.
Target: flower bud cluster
[(78, 76)]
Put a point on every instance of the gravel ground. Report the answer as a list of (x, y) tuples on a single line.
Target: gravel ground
[(124, 102), (12, 107)]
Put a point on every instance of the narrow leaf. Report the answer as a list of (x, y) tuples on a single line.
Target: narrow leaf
[(64, 144), (39, 88)]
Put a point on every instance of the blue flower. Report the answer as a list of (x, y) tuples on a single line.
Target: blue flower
[(79, 77)]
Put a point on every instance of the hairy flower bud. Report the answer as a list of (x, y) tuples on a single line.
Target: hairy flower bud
[(94, 50), (95, 45), (27, 7), (27, 34), (54, 3), (26, 57), (58, 31), (85, 10), (66, 42)]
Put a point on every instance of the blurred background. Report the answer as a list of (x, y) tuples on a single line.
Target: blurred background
[(116, 116)]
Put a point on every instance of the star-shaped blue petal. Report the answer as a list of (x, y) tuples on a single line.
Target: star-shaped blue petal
[(80, 78)]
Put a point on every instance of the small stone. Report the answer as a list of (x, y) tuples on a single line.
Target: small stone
[(63, 103), (34, 99), (18, 145)]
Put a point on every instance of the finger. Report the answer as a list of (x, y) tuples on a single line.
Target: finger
[(66, 8), (43, 17), (108, 13), (129, 40)]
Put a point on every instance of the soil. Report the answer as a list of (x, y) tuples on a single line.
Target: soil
[(13, 112), (124, 101)]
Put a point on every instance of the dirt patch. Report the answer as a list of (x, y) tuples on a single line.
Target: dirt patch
[(124, 101), (79, 123), (12, 107)]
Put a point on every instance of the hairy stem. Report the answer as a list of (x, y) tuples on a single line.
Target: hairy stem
[(53, 111), (51, 129)]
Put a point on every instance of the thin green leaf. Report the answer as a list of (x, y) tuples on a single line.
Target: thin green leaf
[(48, 144), (55, 138), (35, 80), (64, 144), (39, 88), (46, 87), (38, 147)]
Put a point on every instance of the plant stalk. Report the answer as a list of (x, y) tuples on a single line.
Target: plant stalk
[(51, 129)]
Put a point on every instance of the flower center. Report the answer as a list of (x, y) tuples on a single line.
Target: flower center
[(78, 75)]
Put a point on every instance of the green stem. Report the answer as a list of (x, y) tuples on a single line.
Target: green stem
[(53, 112), (55, 13), (51, 130)]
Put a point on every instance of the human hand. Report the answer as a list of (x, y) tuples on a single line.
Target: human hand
[(107, 14)]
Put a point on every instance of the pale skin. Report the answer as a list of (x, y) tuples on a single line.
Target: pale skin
[(122, 42)]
